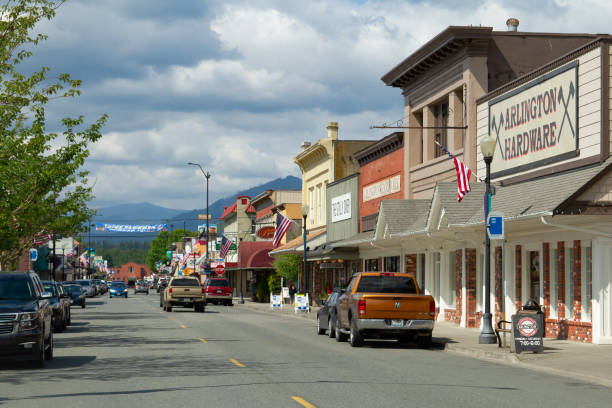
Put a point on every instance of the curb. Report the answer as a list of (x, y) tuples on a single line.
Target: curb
[(480, 354), (301, 315)]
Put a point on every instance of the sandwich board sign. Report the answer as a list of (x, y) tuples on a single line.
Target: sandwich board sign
[(276, 301), (301, 303)]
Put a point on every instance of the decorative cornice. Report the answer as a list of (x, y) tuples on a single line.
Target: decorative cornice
[(383, 147)]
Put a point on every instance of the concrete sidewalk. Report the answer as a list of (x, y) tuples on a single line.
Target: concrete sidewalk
[(587, 362)]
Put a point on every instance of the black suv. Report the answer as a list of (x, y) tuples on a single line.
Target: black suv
[(26, 328)]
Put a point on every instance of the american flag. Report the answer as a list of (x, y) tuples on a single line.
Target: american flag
[(282, 225), (84, 258), (226, 243), (463, 175)]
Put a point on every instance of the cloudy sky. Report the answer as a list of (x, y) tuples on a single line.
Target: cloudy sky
[(237, 85)]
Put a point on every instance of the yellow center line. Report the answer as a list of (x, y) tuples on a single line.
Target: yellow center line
[(303, 402), (202, 340), (238, 363), (183, 326)]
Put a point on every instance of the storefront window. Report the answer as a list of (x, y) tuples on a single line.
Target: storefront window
[(371, 265), (569, 281), (587, 281), (391, 264), (534, 275)]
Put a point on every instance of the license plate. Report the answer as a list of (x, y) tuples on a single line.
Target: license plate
[(186, 299), (397, 323), (219, 291)]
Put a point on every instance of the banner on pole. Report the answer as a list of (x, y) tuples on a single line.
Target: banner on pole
[(131, 228)]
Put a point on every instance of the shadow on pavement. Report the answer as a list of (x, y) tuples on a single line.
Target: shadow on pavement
[(57, 362)]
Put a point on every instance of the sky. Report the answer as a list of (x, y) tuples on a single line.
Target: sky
[(238, 85)]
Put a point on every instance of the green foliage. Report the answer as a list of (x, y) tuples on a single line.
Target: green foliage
[(262, 291), (161, 243), (123, 252), (287, 265), (274, 283), (43, 187)]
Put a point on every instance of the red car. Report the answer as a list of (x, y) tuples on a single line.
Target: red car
[(218, 291)]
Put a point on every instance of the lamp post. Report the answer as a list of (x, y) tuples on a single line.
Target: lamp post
[(487, 336), (207, 175), (305, 210), (89, 250)]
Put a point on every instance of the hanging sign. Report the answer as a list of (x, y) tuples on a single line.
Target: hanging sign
[(265, 232), (33, 254), (495, 225)]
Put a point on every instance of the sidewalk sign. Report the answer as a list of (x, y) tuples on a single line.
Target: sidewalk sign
[(286, 293), (528, 331), (301, 303), (276, 301)]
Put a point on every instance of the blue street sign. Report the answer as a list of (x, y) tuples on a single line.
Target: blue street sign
[(33, 255), (495, 225)]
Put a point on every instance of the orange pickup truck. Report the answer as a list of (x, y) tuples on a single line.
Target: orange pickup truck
[(384, 305)]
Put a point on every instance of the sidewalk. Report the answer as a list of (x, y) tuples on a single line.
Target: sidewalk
[(586, 362)]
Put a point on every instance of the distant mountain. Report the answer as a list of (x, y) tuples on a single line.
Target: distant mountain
[(147, 213), (190, 218), (140, 213)]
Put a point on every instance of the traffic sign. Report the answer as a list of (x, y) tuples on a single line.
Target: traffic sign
[(495, 225), (33, 254), (219, 269)]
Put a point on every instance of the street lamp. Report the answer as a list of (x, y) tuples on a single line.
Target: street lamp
[(207, 175), (305, 209), (89, 250), (487, 336)]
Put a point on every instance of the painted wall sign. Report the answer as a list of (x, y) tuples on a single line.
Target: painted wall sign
[(341, 207), (265, 232), (382, 188), (536, 124)]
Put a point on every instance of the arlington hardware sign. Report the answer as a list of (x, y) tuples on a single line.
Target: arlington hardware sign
[(536, 124)]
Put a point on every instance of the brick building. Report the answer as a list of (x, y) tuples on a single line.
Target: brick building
[(131, 272)]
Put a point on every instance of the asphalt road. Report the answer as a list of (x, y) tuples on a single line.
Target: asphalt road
[(128, 353)]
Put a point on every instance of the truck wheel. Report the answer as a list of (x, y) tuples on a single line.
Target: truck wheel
[(331, 332), (319, 329), (340, 337), (355, 338), (424, 341)]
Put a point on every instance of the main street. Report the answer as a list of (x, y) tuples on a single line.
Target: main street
[(127, 352)]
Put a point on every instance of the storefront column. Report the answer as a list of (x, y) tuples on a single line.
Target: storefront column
[(509, 290), (464, 291), (602, 290)]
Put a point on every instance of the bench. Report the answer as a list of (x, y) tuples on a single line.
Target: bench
[(502, 328)]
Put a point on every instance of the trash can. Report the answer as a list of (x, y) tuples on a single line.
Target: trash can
[(528, 328)]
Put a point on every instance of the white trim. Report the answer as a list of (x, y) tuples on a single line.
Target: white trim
[(584, 249), (463, 321), (509, 281), (554, 274), (569, 306)]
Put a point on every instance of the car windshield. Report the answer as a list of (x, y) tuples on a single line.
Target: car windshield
[(15, 288), (185, 282), (117, 285), (83, 283), (386, 284), (50, 288), (219, 282), (73, 288)]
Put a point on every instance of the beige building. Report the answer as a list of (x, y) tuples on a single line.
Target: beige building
[(323, 162)]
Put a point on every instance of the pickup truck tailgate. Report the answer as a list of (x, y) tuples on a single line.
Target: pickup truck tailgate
[(181, 291), (394, 306)]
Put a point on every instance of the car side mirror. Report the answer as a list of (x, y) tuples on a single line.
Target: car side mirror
[(46, 295)]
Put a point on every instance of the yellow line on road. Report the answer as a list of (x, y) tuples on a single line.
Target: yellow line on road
[(238, 363), (202, 340), (303, 402), (183, 326)]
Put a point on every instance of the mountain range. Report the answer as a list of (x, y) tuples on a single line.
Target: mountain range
[(147, 213)]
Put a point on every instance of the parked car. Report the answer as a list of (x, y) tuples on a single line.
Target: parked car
[(161, 284), (118, 288), (141, 287), (77, 294), (26, 318), (326, 315), (88, 286), (65, 298), (218, 291), (100, 285), (58, 305)]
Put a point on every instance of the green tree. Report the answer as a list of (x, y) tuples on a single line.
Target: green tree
[(43, 187), (161, 243), (287, 266)]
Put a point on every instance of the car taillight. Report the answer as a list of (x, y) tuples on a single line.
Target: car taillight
[(170, 290), (432, 308), (361, 307)]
